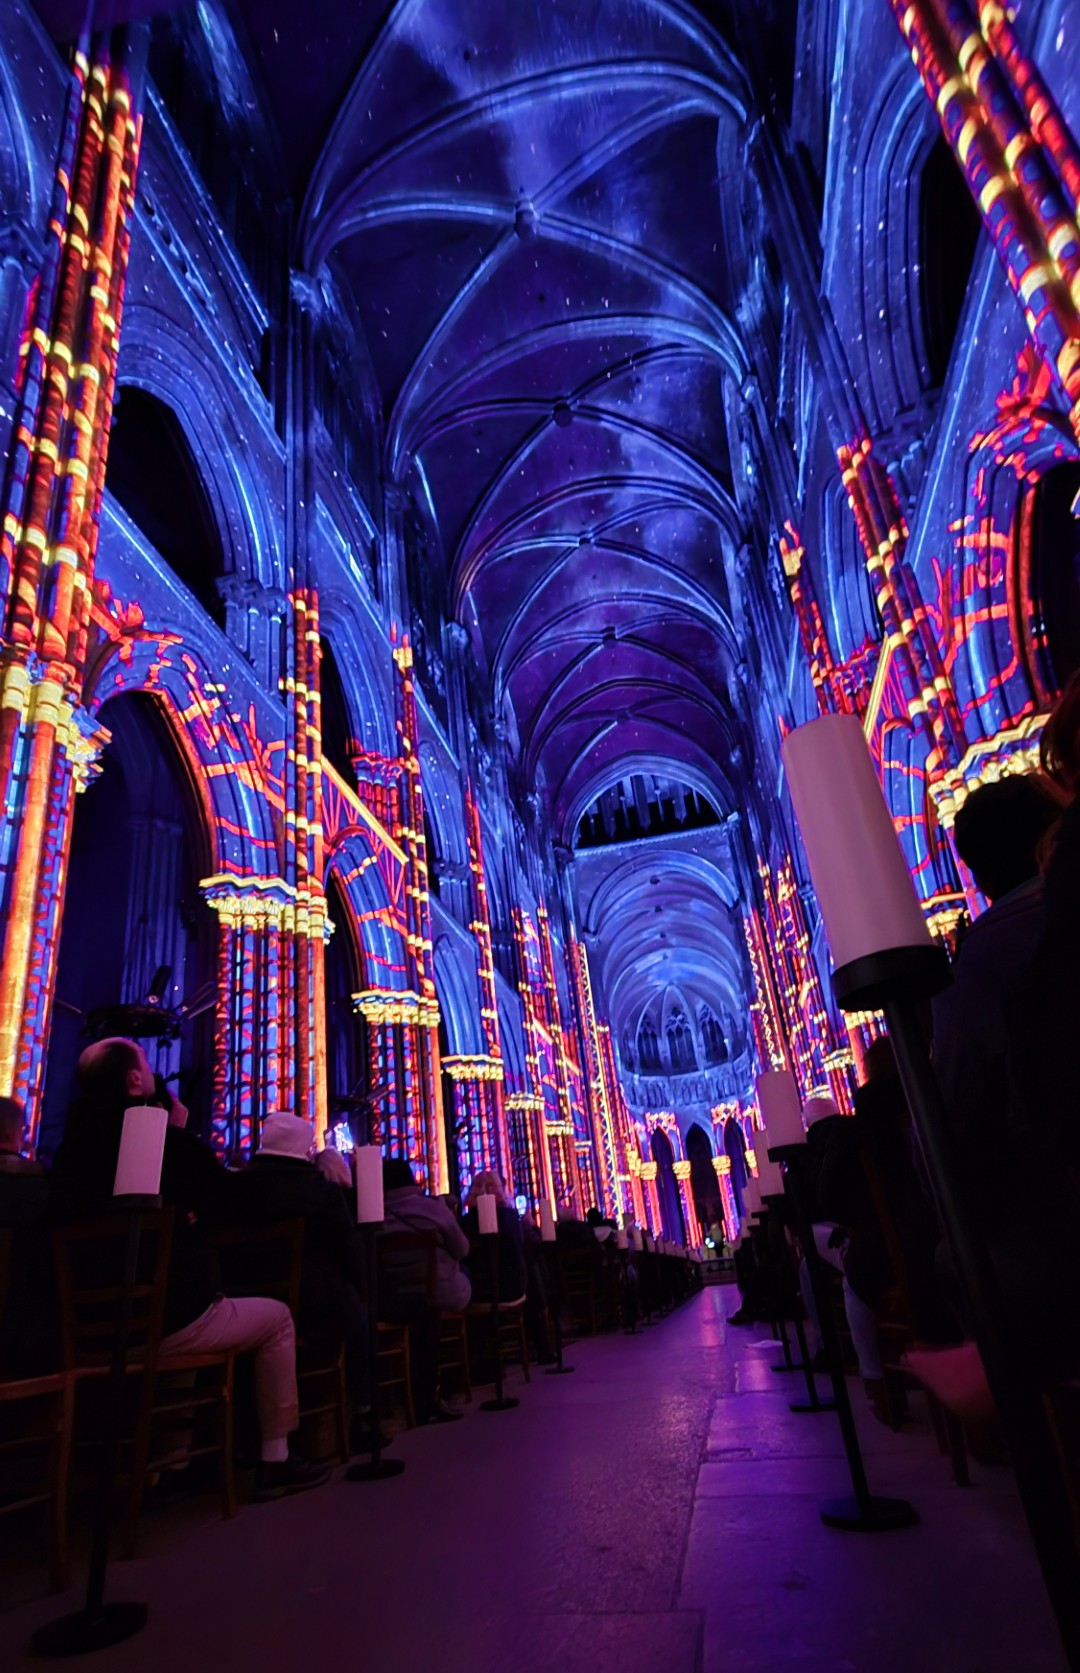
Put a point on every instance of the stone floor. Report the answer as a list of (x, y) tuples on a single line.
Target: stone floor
[(654, 1513)]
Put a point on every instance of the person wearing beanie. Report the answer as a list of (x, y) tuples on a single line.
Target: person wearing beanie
[(284, 1183)]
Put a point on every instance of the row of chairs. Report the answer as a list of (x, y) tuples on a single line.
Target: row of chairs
[(459, 1331), (179, 1408)]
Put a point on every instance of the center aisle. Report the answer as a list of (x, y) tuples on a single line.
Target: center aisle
[(653, 1513)]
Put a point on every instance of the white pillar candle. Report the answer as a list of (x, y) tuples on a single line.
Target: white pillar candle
[(547, 1221), (370, 1208), (142, 1147), (487, 1212), (857, 867), (778, 1105)]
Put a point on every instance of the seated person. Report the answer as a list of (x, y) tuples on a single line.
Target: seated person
[(404, 1296), (333, 1166), (570, 1232), (282, 1182), (114, 1075), (512, 1277), (28, 1322)]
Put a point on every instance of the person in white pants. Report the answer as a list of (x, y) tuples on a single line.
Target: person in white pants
[(114, 1075)]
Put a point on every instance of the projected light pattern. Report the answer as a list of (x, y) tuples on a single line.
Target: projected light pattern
[(560, 421), (48, 538)]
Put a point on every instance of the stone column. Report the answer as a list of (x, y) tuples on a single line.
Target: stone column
[(53, 482)]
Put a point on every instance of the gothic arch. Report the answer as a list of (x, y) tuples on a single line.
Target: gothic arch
[(378, 923), (228, 761), (173, 366)]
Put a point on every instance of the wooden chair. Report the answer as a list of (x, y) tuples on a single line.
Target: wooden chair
[(47, 1403), (510, 1332), (454, 1348), (394, 1338), (267, 1260), (169, 1398), (579, 1277)]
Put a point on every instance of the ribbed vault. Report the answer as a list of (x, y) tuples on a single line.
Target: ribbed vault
[(534, 210), (525, 207)]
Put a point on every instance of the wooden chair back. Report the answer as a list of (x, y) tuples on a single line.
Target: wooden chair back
[(406, 1243), (261, 1260), (7, 1245), (90, 1257)]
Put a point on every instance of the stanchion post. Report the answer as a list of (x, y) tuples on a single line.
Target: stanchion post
[(549, 1244), (885, 958), (864, 1512), (136, 1188), (558, 1369), (370, 1212), (501, 1402)]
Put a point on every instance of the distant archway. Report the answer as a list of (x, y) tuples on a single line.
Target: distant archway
[(735, 1148), (339, 742), (704, 1185), (1049, 562), (667, 1186), (134, 919)]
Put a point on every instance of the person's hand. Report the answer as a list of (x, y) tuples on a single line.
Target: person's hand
[(178, 1113)]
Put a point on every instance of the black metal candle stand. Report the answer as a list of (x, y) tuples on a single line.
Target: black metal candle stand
[(861, 1511), (554, 1286), (501, 1402), (98, 1624), (376, 1467)]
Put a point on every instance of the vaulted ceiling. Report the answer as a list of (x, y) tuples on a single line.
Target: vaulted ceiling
[(539, 212), (524, 203), (536, 211)]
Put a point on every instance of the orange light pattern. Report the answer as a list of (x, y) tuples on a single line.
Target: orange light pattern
[(48, 539)]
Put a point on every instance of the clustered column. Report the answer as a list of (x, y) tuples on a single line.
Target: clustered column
[(48, 537)]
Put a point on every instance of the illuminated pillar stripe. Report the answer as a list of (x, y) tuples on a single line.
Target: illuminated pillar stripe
[(48, 537), (980, 99)]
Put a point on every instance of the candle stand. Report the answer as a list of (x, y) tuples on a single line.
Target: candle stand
[(501, 1402), (863, 1512), (813, 1402), (555, 1287), (370, 1213), (98, 1624), (375, 1468)]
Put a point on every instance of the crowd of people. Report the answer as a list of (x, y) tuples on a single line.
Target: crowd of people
[(432, 1260), (1001, 1040)]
